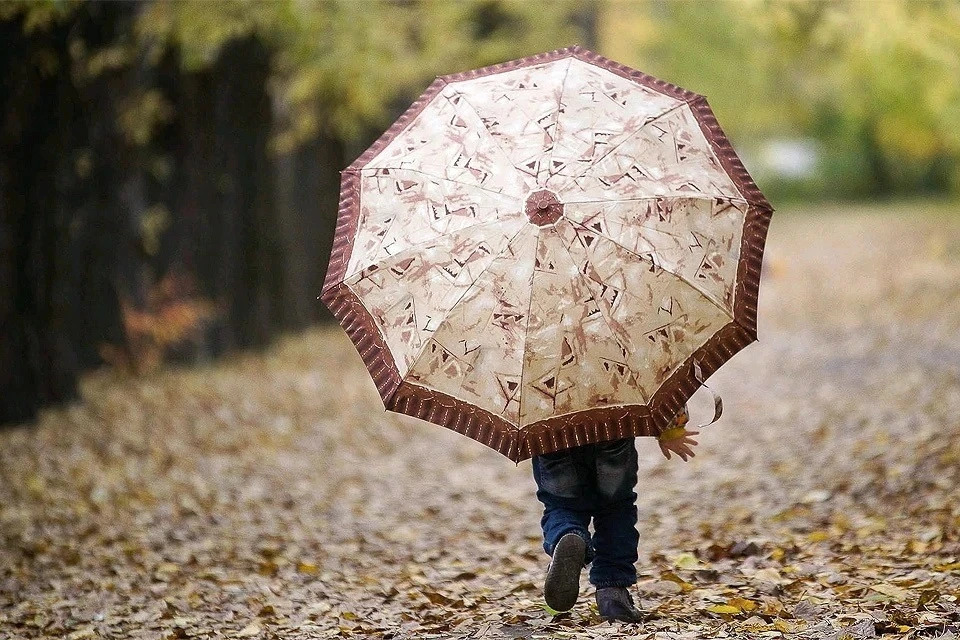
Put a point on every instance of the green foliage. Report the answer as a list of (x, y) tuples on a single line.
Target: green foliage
[(877, 83), (342, 66), (38, 15)]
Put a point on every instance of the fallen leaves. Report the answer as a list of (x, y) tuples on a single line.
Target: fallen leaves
[(269, 497)]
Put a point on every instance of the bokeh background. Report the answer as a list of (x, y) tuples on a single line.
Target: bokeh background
[(169, 170), (190, 449)]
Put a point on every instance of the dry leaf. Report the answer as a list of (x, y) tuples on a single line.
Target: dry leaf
[(152, 505), (723, 609)]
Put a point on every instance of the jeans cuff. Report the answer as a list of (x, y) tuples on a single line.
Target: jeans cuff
[(585, 536), (606, 584)]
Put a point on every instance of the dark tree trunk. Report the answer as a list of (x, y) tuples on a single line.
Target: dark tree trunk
[(308, 187), (107, 261), (252, 229), (67, 200), (37, 182), (225, 225)]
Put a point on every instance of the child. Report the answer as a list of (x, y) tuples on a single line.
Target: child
[(596, 482)]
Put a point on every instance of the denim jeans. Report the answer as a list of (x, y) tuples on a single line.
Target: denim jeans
[(593, 482)]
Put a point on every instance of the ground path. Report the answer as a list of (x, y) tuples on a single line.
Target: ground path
[(269, 497)]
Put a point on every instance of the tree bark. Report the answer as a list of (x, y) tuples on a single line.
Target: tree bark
[(37, 364)]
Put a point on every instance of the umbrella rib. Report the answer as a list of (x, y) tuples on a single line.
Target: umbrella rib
[(673, 197), (493, 138), (603, 314), (419, 245), (467, 290), (621, 143), (646, 226), (526, 336), (706, 295), (563, 87), (436, 177)]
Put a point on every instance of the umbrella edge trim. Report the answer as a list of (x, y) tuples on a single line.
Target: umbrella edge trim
[(651, 419), (579, 428), (359, 325), (467, 419)]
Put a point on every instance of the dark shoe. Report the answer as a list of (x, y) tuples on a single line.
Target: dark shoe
[(616, 604), (562, 585)]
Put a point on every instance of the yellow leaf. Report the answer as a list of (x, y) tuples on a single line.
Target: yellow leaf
[(742, 603), (888, 589), (724, 609), (250, 630), (754, 623), (686, 561), (672, 577), (819, 536), (784, 626), (308, 568), (916, 546)]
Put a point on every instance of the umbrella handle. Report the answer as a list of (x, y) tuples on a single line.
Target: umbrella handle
[(717, 400)]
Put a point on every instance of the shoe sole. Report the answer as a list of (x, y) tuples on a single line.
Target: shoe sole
[(562, 586)]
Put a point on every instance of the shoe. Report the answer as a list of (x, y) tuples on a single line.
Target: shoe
[(616, 605), (562, 585)]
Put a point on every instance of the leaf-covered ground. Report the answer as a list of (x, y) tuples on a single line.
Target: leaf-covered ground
[(270, 497)]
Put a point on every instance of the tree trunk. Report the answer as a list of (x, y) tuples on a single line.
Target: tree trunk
[(308, 187), (37, 364)]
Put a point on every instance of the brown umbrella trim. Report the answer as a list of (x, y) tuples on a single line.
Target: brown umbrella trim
[(554, 434), (348, 217), (457, 415), (757, 221), (639, 77), (401, 123), (586, 55), (729, 159), (564, 432), (749, 269), (359, 325), (674, 393)]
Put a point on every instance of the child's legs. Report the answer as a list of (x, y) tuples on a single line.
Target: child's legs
[(615, 536), (563, 486)]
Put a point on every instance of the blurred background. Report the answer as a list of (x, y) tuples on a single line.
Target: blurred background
[(169, 171)]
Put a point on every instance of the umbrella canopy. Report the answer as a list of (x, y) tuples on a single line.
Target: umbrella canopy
[(548, 252)]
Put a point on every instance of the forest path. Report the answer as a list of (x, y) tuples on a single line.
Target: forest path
[(270, 497)]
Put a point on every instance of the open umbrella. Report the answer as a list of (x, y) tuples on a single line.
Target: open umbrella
[(548, 252)]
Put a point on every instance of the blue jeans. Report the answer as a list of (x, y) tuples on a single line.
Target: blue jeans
[(595, 482)]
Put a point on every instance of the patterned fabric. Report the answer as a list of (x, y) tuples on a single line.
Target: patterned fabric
[(546, 240)]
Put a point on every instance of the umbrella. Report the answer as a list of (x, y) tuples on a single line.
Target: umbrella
[(548, 252)]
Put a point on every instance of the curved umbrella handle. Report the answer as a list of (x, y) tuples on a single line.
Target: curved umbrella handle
[(717, 400)]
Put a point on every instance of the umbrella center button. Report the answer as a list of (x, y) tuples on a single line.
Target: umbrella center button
[(543, 208)]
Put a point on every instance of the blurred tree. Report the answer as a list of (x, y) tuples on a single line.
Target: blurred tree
[(158, 155), (340, 71), (877, 83), (63, 211)]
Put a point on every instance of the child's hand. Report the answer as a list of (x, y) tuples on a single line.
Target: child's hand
[(679, 441)]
